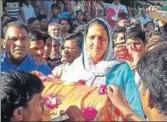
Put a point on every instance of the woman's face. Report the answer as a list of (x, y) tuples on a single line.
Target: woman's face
[(80, 16), (35, 25), (97, 42)]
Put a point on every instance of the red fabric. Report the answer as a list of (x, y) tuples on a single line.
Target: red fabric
[(110, 12)]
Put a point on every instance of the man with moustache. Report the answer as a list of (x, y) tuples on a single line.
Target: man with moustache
[(16, 55)]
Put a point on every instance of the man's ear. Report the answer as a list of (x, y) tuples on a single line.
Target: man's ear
[(152, 100), (18, 114), (4, 43)]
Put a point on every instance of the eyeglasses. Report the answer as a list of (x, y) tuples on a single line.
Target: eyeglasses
[(67, 48)]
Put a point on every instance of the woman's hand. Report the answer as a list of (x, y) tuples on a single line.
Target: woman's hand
[(121, 53), (118, 99), (37, 73), (153, 9)]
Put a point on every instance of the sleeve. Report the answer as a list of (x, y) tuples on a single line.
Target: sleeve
[(123, 77), (57, 71), (163, 30), (125, 9), (131, 91)]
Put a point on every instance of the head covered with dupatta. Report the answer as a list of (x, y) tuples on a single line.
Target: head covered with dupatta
[(96, 60)]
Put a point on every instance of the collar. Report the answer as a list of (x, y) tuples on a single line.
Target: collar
[(5, 58)]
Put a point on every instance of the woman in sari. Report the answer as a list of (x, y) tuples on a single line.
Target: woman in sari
[(96, 66)]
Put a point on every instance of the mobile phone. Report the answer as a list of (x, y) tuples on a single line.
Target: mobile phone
[(160, 15), (61, 118)]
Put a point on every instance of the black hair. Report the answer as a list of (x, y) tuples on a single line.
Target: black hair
[(134, 33), (31, 20), (79, 11), (145, 25), (5, 15), (158, 4), (69, 22), (77, 37), (12, 19), (66, 19), (46, 36), (17, 89), (55, 5), (152, 69), (41, 16), (117, 31), (122, 15), (15, 24), (135, 22), (35, 35), (87, 12)]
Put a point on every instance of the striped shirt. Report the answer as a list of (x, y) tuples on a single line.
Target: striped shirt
[(12, 9)]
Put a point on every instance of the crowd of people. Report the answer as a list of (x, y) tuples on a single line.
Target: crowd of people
[(63, 40)]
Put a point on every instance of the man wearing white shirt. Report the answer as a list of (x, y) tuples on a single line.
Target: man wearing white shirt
[(71, 50), (27, 11)]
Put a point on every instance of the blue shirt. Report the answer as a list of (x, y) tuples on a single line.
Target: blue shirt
[(65, 15), (122, 76), (27, 65)]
